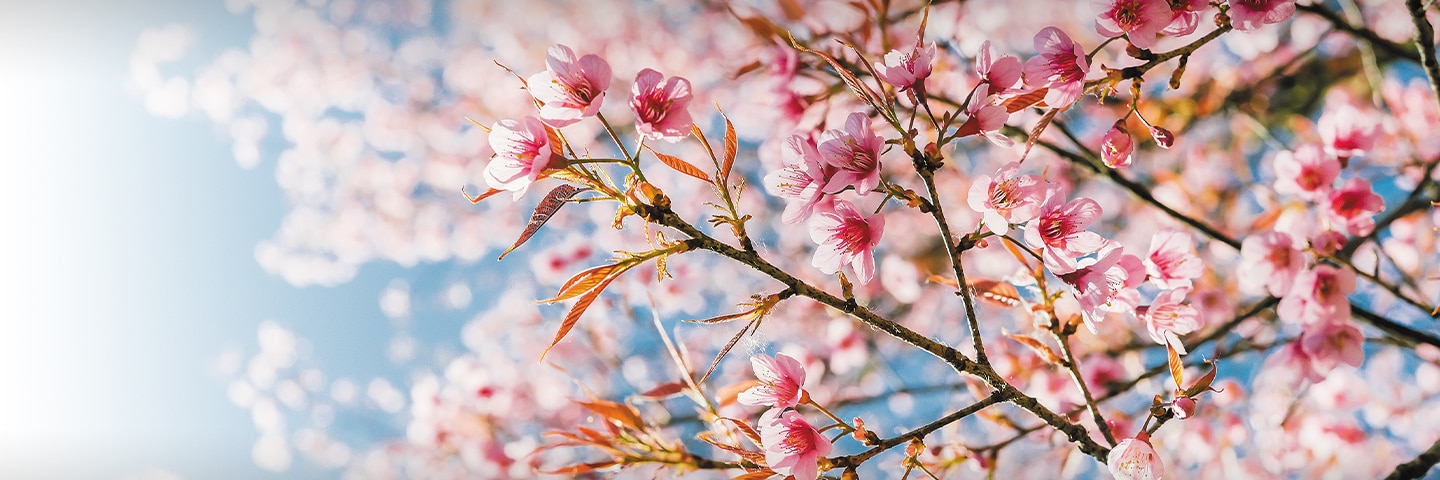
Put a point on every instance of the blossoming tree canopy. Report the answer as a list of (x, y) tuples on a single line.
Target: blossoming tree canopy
[(1232, 198)]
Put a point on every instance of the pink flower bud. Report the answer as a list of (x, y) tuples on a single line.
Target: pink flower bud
[(1328, 242), (1163, 138), (1116, 146), (1183, 407)]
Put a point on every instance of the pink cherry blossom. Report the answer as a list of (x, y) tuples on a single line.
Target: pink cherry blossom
[(1006, 199), (1269, 263), (781, 381), (1328, 242), (1167, 318), (1329, 343), (1059, 64), (1185, 16), (1116, 146), (1354, 206), (570, 88), (1292, 357), (907, 70), (1306, 172), (1319, 295), (1347, 131), (990, 117), (522, 151), (792, 445), (1135, 459), (1249, 15), (1060, 229), (1000, 74), (846, 237), (660, 106), (854, 153), (800, 181), (1099, 281), (1139, 20), (1172, 260)]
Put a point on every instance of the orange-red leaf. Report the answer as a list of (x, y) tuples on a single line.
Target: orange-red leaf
[(727, 394), (744, 428), (546, 209), (1025, 100), (999, 293), (1203, 383), (760, 475), (665, 390), (579, 468), (488, 193), (695, 130), (944, 281), (858, 87), (620, 413), (732, 146), (573, 316), (584, 281), (1039, 128), (970, 127), (1039, 347), (1177, 369), (680, 165)]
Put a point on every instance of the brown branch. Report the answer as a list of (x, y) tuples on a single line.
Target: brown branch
[(926, 168), (1079, 379), (1360, 32), (850, 461), (1416, 468)]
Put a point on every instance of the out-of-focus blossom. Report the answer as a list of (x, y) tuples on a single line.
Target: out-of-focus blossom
[(1354, 206), (1347, 131), (800, 181), (570, 88), (1139, 20), (1099, 280), (1116, 146), (1269, 263), (660, 106), (1006, 199), (1331, 342), (846, 237), (792, 445), (1135, 459), (1328, 242), (522, 152), (781, 381), (1249, 15), (1167, 318), (907, 70), (849, 352), (1060, 229), (1319, 296), (1059, 64), (1306, 172), (999, 74), (854, 153), (1172, 260), (1185, 16)]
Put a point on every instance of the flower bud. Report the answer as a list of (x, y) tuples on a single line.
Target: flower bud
[(1183, 407), (1116, 146), (1163, 138), (1328, 242)]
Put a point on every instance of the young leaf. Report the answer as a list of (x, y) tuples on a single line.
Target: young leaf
[(473, 200), (744, 428), (579, 468), (679, 165), (573, 316), (1177, 369), (760, 475), (726, 349), (999, 293), (1025, 100), (1039, 347), (860, 88), (1039, 128), (665, 390), (727, 395), (546, 209), (584, 281), (1203, 383), (620, 413), (732, 146), (695, 130)]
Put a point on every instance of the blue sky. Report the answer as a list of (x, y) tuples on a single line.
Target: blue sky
[(130, 262)]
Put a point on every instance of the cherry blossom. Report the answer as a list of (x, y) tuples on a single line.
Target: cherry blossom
[(1319, 295), (1172, 260), (792, 445), (1139, 20), (1185, 16), (781, 382), (999, 74), (522, 151), (1099, 281), (1354, 206), (854, 154), (1330, 343), (1167, 318), (1306, 172), (1116, 146), (660, 106), (990, 117), (1347, 131), (1135, 459), (1269, 262), (800, 180), (570, 88), (1060, 229), (847, 237), (1059, 64), (907, 70), (1249, 15), (1007, 198)]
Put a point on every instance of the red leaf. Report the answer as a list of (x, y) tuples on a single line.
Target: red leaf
[(573, 316), (695, 130), (732, 146), (665, 390), (944, 281), (1203, 383), (760, 475), (546, 209), (1025, 100), (1039, 128), (1177, 369), (584, 281), (473, 200), (618, 412), (579, 468), (726, 350), (860, 88), (1039, 347), (679, 165)]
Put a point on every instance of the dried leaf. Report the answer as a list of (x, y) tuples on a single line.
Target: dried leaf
[(970, 127), (751, 456), (999, 293), (620, 413), (1025, 100), (546, 209), (473, 200), (573, 316), (858, 87), (723, 318), (726, 349), (732, 146), (584, 281), (744, 428), (665, 390), (1177, 369), (1039, 347), (679, 165), (1039, 128)]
